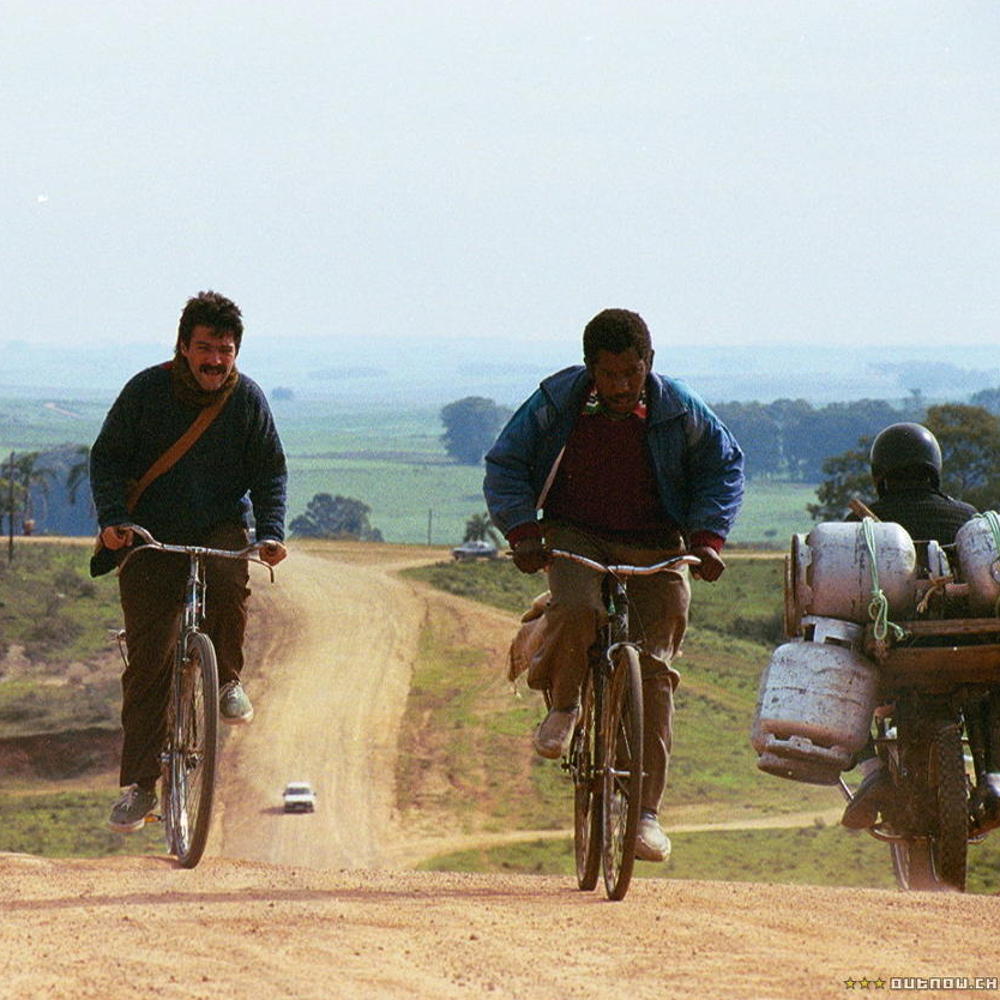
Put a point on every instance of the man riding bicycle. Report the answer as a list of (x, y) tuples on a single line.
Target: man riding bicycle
[(627, 466), (187, 450)]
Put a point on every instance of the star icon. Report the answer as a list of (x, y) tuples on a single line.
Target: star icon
[(850, 983), (880, 983)]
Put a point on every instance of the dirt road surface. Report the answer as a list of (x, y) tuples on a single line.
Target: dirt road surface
[(317, 906)]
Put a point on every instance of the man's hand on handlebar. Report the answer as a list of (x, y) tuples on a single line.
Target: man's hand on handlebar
[(530, 555), (712, 564), (117, 536), (272, 552)]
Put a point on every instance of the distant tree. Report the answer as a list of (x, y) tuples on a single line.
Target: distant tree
[(848, 477), (759, 434), (970, 450), (335, 517), (988, 399), (282, 393), (479, 528), (79, 473), (471, 426)]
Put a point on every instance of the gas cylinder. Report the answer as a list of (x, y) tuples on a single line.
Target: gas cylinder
[(815, 703)]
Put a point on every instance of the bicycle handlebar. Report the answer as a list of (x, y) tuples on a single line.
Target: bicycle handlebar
[(194, 550), (675, 562)]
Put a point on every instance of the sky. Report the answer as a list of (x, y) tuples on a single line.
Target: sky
[(361, 174)]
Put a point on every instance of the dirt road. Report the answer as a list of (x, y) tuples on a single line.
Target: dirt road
[(307, 907)]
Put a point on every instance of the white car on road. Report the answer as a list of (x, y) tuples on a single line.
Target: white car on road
[(299, 797)]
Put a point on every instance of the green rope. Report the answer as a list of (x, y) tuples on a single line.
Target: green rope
[(878, 607)]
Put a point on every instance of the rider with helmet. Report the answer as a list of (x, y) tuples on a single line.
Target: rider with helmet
[(906, 470)]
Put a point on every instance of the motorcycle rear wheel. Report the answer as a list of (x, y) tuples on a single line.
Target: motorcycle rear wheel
[(938, 862)]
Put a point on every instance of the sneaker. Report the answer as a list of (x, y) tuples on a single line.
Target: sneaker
[(863, 809), (651, 843), (130, 811), (553, 735), (234, 704)]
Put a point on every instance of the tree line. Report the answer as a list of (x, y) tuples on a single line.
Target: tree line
[(786, 439)]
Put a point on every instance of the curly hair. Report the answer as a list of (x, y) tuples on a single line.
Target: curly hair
[(213, 310), (616, 330)]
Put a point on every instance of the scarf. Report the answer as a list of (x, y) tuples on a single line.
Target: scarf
[(186, 389)]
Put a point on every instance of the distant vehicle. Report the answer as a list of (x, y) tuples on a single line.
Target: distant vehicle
[(299, 797), (471, 551)]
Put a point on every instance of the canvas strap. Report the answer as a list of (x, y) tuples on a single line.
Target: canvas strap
[(175, 452)]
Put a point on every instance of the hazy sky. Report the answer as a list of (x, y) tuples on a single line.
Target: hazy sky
[(737, 171)]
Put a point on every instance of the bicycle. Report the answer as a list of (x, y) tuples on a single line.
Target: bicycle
[(190, 754), (605, 752)]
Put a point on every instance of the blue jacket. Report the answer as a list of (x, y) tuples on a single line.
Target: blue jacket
[(237, 464), (697, 462)]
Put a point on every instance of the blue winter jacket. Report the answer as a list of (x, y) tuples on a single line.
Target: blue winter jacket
[(697, 462)]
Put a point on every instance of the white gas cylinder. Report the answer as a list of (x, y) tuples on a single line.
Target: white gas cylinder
[(815, 704), (836, 580), (979, 560)]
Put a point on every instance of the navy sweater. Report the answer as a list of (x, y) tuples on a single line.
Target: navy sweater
[(237, 464)]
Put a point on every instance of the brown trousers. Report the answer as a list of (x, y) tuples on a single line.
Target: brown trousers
[(152, 592), (658, 612)]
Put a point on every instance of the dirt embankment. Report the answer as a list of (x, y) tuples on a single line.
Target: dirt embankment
[(312, 907)]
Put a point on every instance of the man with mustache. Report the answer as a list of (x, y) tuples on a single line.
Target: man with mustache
[(235, 468), (626, 466)]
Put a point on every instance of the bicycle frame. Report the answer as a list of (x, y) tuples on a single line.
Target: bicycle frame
[(189, 754), (605, 756)]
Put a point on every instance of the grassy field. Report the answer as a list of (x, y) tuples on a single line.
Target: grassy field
[(392, 461), (67, 825), (811, 855), (713, 775)]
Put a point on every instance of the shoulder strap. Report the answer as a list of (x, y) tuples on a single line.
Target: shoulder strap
[(175, 452)]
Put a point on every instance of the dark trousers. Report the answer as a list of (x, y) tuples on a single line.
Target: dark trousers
[(152, 592)]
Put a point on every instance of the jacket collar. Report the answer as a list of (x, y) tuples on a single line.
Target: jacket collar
[(567, 389)]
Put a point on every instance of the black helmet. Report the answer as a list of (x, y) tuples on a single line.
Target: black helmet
[(902, 448)]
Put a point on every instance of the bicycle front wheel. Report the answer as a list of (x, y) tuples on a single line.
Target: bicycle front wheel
[(192, 750), (586, 790), (621, 770)]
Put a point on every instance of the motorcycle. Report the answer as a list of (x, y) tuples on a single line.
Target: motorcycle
[(908, 634)]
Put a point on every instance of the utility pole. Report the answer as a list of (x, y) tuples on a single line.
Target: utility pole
[(430, 521), (10, 511)]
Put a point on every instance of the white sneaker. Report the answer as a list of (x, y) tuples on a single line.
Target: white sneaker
[(651, 844)]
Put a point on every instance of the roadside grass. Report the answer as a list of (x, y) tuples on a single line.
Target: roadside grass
[(462, 742), (51, 607), (68, 824), (812, 855), (713, 763)]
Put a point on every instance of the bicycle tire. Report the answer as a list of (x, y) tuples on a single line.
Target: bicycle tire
[(586, 790), (192, 751), (621, 770)]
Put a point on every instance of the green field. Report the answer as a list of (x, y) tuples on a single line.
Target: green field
[(392, 461)]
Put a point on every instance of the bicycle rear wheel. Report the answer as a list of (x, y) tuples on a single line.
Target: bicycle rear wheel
[(586, 790), (192, 750), (621, 770)]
